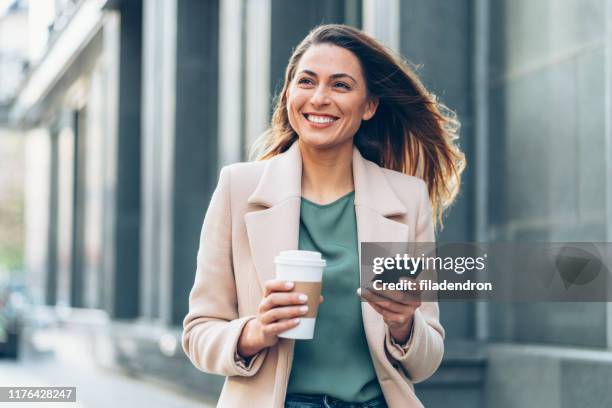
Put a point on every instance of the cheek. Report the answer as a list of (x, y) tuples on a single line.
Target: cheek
[(293, 110), (292, 103), (352, 105), (355, 109), (295, 99)]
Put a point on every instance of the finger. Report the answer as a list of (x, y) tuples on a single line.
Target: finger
[(379, 309), (382, 311), (277, 285), (281, 299), (405, 297), (391, 305), (283, 312), (277, 328), (391, 318), (371, 296), (395, 307)]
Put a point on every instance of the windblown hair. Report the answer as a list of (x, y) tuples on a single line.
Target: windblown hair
[(411, 132)]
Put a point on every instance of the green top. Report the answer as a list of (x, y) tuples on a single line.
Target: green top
[(337, 360)]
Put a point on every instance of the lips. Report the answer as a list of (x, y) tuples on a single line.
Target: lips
[(320, 119)]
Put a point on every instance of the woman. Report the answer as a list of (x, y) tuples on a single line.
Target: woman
[(358, 151)]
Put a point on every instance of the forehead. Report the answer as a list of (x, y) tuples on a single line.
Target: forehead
[(327, 59)]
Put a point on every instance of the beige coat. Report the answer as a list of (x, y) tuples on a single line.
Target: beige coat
[(253, 215)]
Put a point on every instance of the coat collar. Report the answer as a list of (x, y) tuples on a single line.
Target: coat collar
[(282, 179)]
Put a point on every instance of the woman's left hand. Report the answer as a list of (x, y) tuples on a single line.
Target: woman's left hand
[(397, 310)]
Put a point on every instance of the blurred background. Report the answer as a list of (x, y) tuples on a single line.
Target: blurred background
[(116, 116)]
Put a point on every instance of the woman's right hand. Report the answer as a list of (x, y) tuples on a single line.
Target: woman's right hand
[(279, 311)]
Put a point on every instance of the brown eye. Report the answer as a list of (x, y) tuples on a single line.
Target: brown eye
[(305, 81), (343, 85)]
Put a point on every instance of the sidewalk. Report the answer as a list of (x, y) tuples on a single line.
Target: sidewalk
[(96, 387)]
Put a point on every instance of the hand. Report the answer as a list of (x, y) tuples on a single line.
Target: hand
[(279, 311), (396, 308)]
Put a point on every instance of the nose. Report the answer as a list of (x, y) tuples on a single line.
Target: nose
[(320, 97)]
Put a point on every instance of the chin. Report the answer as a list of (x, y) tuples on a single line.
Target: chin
[(317, 141)]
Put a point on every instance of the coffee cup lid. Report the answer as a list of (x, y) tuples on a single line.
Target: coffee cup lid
[(300, 257)]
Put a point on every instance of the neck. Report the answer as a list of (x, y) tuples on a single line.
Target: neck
[(326, 173)]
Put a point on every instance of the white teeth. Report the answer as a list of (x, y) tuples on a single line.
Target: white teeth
[(319, 119)]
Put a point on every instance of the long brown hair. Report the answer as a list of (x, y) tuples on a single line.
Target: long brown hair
[(411, 132)]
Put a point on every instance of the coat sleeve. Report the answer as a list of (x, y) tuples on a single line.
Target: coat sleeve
[(212, 326), (422, 354)]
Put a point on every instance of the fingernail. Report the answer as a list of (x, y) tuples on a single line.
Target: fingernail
[(288, 285), (303, 309), (297, 320), (303, 297), (359, 291)]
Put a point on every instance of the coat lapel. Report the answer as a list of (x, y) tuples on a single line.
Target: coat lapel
[(375, 202), (275, 227), (271, 231)]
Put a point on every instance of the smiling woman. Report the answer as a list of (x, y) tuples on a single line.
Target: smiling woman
[(357, 151)]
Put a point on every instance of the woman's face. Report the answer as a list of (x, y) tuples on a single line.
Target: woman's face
[(327, 98)]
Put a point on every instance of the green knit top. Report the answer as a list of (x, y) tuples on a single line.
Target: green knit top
[(337, 360)]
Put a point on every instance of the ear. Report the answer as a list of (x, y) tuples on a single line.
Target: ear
[(370, 109)]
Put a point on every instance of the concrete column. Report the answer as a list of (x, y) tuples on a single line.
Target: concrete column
[(231, 83), (608, 149), (79, 118), (122, 47), (195, 142), (353, 13), (257, 75), (65, 206), (159, 87), (381, 19), (37, 211), (436, 47), (481, 145), (180, 147), (127, 269), (94, 190), (52, 236)]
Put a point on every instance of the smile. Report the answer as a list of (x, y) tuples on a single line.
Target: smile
[(320, 119)]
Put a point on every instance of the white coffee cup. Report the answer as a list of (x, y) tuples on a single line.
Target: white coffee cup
[(305, 269)]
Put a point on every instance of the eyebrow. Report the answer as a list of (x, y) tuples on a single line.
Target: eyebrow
[(333, 76)]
